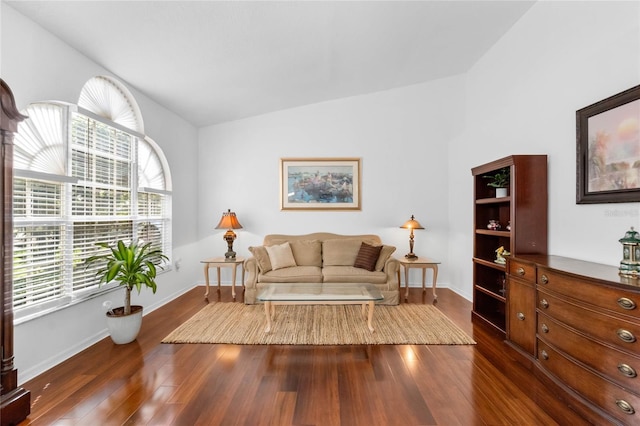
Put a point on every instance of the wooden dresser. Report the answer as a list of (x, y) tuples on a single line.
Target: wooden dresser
[(578, 323)]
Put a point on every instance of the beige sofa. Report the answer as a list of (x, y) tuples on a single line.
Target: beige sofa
[(322, 257)]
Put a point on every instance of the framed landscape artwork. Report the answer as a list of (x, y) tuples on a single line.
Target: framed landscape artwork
[(608, 150), (320, 184)]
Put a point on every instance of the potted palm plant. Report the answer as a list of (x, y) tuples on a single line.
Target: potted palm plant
[(132, 266)]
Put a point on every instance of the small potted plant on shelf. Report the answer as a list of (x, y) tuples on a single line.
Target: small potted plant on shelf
[(500, 181), (132, 266)]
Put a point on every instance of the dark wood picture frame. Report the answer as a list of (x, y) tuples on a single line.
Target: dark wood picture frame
[(596, 180)]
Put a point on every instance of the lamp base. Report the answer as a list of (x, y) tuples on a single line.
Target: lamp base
[(411, 256), (229, 236)]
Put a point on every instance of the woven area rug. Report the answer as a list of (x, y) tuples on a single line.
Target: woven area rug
[(237, 323)]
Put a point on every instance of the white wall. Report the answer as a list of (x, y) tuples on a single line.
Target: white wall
[(522, 97), (417, 146), (38, 66), (401, 136)]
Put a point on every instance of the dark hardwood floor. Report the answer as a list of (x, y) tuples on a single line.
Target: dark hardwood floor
[(149, 383)]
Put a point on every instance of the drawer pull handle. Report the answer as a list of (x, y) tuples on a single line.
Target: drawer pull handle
[(520, 316), (544, 303), (627, 370), (545, 328), (625, 407), (625, 335), (520, 271), (544, 354), (544, 279), (626, 303)]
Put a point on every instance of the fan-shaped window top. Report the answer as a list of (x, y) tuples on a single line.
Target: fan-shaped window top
[(41, 141), (152, 173), (110, 99), (75, 186)]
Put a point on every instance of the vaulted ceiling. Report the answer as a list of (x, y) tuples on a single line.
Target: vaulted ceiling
[(217, 61)]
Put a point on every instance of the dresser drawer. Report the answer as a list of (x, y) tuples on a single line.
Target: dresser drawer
[(611, 298), (610, 329), (615, 400), (523, 270), (621, 367)]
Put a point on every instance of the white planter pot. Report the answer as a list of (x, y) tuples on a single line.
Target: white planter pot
[(501, 192), (125, 329)]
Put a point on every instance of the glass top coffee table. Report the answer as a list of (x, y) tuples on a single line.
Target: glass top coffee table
[(319, 294)]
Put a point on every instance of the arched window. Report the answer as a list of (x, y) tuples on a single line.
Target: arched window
[(83, 174)]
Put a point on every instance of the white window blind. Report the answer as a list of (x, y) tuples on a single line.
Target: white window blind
[(85, 235), (38, 264), (106, 184)]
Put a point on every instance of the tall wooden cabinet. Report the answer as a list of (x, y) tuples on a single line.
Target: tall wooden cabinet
[(522, 216), (14, 401)]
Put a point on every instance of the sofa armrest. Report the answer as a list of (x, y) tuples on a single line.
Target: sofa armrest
[(251, 268), (392, 269)]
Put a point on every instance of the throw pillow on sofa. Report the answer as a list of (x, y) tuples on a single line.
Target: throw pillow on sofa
[(280, 256), (385, 254), (367, 257), (262, 258)]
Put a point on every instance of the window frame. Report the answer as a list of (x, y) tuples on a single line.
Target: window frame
[(67, 220)]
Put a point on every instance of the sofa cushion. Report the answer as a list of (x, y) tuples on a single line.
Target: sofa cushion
[(367, 256), (385, 254), (351, 274), (305, 252), (281, 256), (294, 274), (262, 258), (340, 252)]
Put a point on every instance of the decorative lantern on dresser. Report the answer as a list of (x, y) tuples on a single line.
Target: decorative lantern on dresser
[(630, 264)]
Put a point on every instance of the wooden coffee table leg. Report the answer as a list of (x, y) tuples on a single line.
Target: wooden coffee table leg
[(268, 310), (371, 306)]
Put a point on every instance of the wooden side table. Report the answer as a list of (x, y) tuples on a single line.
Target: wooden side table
[(221, 262), (423, 263)]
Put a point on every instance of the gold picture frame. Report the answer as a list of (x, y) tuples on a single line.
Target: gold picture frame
[(320, 184)]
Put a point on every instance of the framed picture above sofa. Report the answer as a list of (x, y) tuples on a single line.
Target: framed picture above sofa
[(608, 150), (320, 184)]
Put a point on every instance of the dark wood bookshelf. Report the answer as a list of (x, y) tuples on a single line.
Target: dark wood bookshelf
[(525, 210)]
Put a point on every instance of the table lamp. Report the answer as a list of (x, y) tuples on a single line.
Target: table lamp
[(229, 221), (411, 224)]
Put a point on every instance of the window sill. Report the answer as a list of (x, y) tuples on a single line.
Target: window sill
[(24, 317)]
